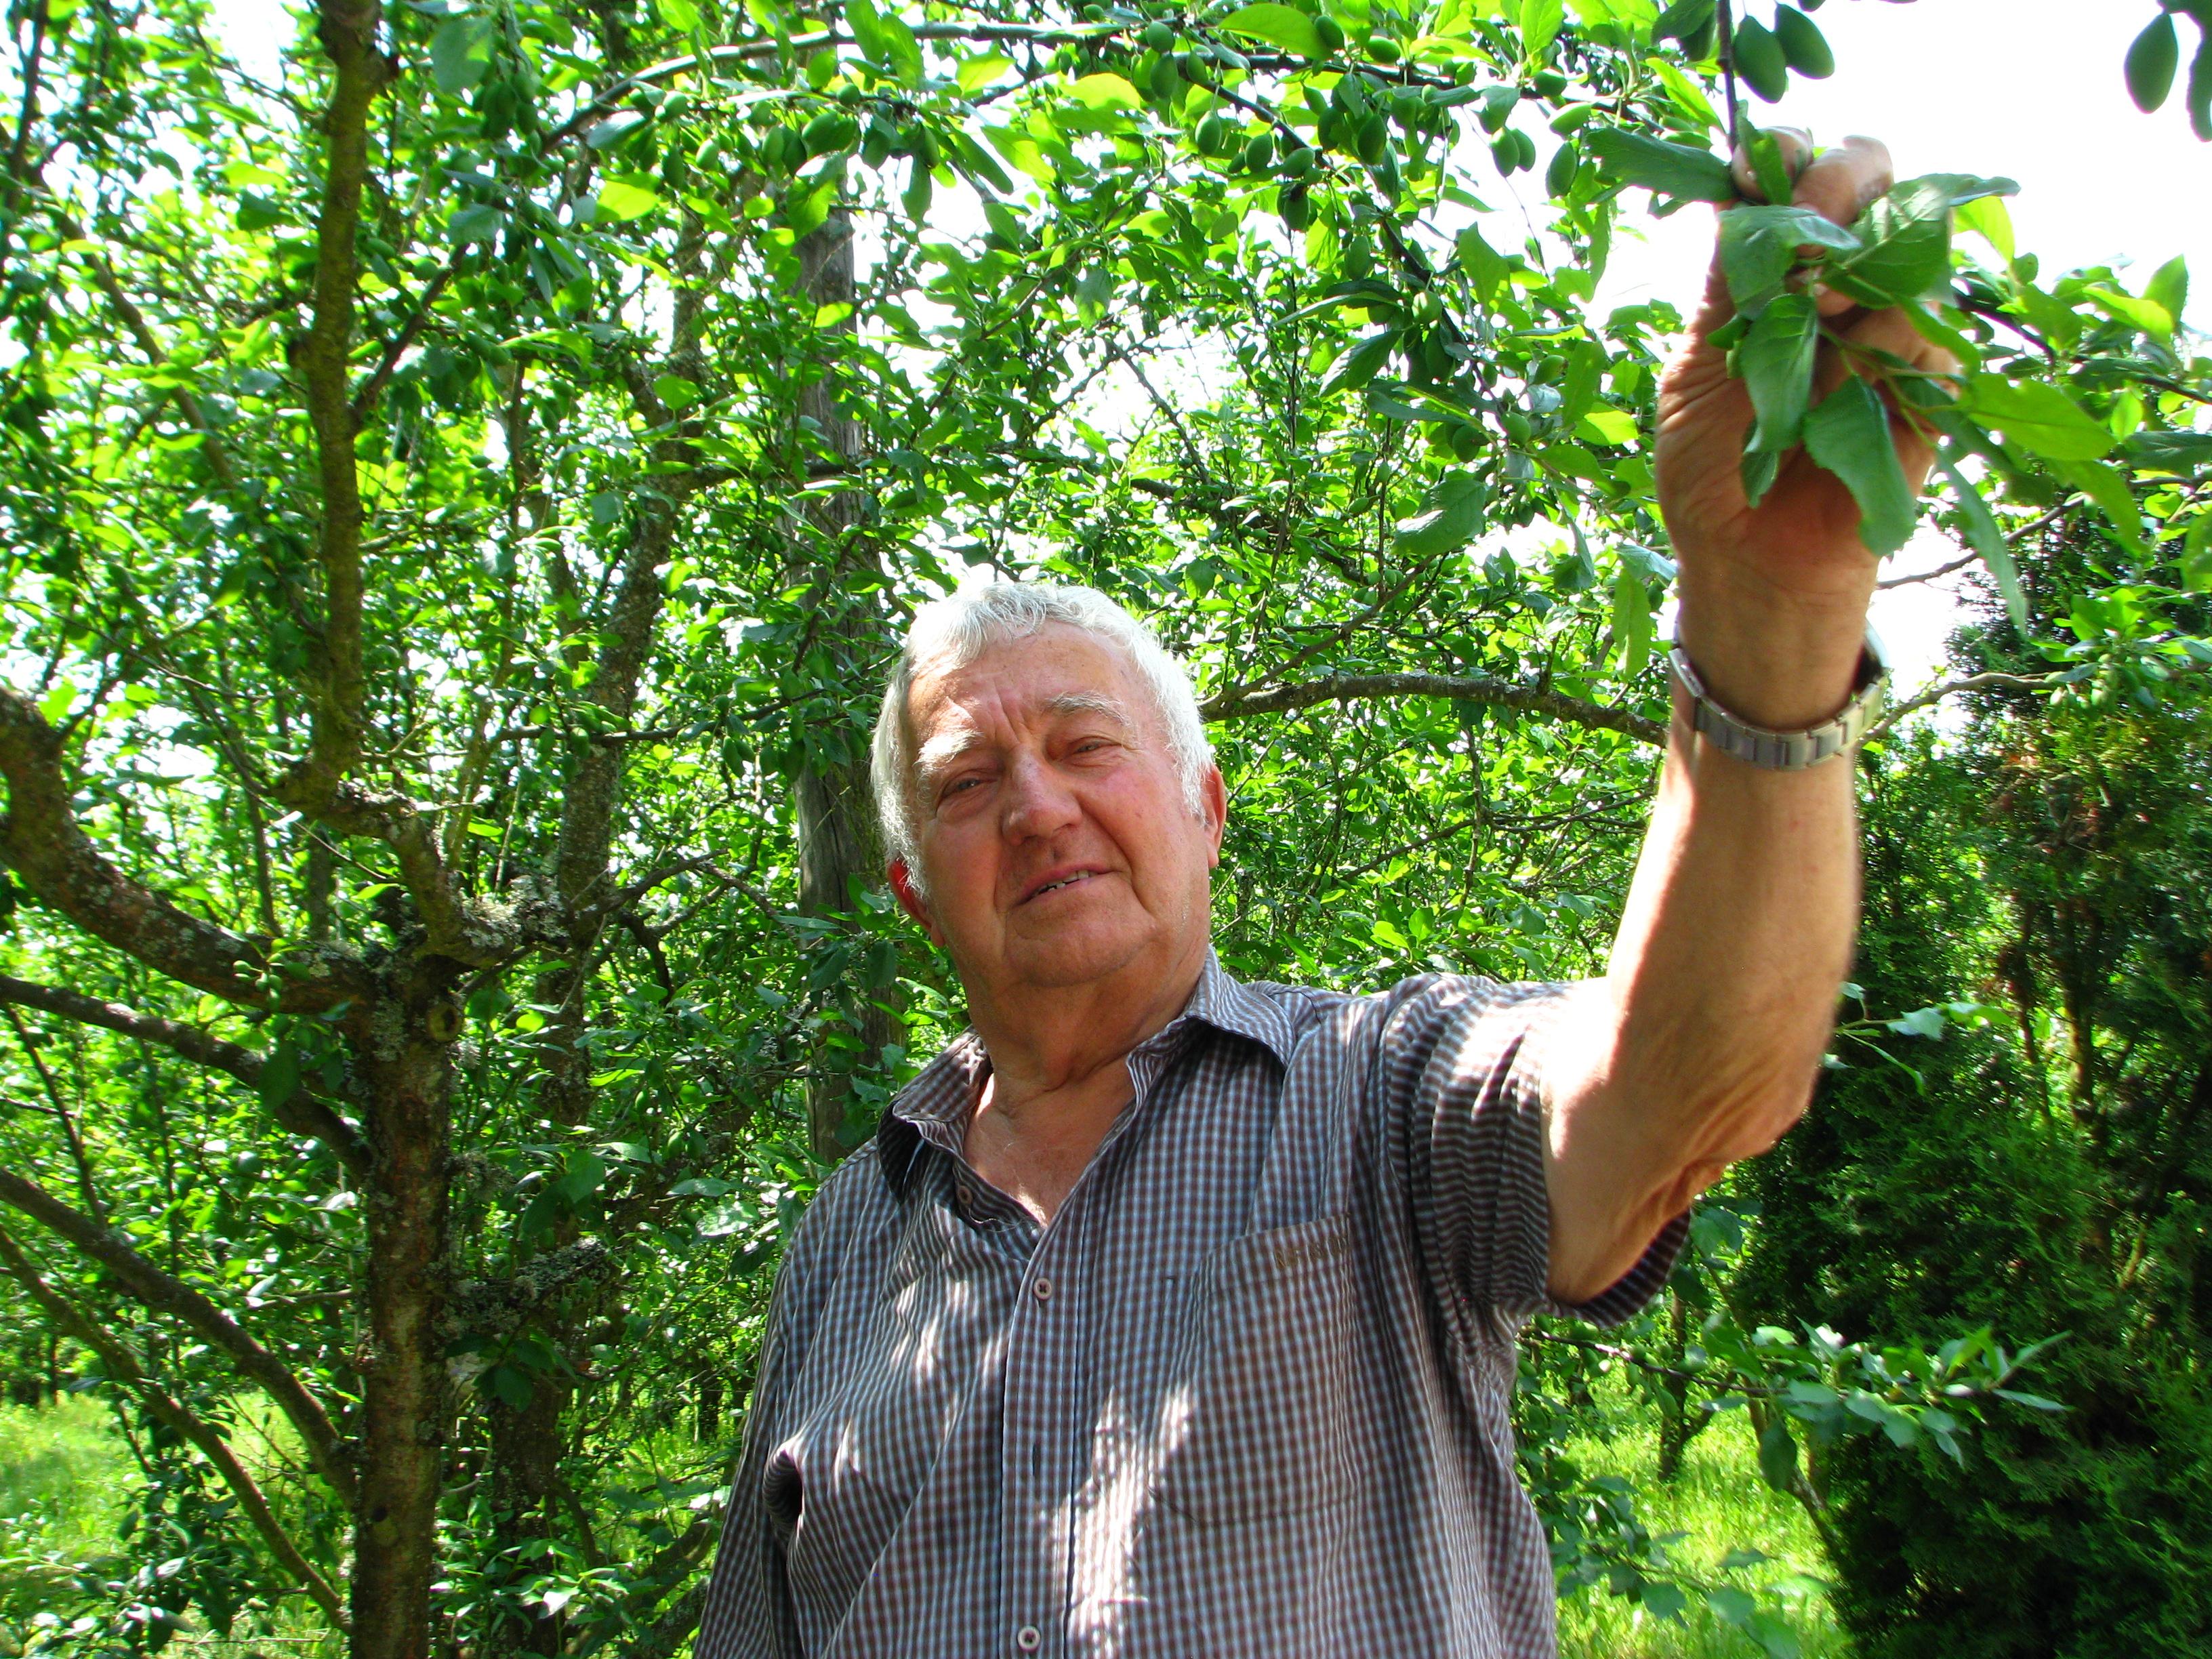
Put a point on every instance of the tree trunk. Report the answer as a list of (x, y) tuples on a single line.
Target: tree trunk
[(838, 842), (403, 1403), (526, 1441), (1678, 1424)]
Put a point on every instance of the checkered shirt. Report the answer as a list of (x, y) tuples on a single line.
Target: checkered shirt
[(1245, 1398)]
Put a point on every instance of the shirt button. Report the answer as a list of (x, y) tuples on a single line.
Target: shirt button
[(1029, 1638), (1043, 1288)]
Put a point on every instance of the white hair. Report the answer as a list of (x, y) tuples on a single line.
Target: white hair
[(953, 632)]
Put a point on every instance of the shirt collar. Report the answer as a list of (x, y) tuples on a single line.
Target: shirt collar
[(935, 1105), (1228, 1005)]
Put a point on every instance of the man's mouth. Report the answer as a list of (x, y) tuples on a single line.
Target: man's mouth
[(1064, 881)]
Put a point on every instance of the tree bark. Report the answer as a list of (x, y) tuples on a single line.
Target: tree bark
[(838, 842), (404, 1396)]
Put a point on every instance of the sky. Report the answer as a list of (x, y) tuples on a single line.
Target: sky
[(2028, 89)]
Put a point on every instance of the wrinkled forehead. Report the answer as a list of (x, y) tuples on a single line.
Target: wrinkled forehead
[(1055, 672)]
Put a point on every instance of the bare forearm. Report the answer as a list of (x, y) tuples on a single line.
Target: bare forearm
[(1707, 1030)]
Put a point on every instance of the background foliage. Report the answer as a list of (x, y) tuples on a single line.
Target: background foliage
[(457, 502)]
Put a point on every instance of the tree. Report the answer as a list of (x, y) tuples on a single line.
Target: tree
[(458, 498)]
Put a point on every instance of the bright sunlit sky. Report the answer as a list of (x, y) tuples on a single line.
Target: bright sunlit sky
[(2030, 89)]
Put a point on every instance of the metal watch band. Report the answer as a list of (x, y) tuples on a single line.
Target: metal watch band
[(1788, 751)]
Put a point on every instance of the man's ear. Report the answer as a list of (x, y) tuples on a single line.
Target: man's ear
[(1215, 795), (902, 882)]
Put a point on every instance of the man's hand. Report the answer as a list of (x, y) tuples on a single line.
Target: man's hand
[(1700, 1045), (1774, 598)]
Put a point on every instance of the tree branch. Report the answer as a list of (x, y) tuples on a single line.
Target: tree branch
[(303, 1113), (347, 32), (1237, 703), (454, 925), (42, 842), (1935, 694), (166, 1292), (123, 1367)]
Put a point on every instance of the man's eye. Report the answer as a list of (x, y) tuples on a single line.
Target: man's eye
[(959, 784)]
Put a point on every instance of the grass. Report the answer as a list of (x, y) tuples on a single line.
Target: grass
[(64, 1464), (65, 1475), (63, 1470), (1717, 1503)]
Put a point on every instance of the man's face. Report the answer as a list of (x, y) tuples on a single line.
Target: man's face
[(1055, 844)]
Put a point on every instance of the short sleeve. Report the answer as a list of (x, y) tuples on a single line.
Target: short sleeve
[(747, 1612), (1460, 1080)]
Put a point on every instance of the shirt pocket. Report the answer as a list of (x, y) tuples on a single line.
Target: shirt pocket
[(1257, 1421)]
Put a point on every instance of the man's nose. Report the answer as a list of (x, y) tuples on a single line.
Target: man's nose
[(1036, 799)]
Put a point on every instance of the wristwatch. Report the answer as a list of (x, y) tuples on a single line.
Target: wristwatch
[(1789, 751)]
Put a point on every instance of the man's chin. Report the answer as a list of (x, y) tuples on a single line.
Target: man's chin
[(1074, 957)]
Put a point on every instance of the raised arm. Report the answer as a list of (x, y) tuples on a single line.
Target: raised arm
[(1701, 1044)]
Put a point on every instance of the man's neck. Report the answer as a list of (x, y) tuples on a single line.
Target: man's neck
[(1059, 1076)]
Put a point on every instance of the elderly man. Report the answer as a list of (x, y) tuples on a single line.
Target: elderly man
[(1167, 1315)]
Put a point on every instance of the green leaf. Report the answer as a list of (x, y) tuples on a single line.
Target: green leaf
[(474, 223), (509, 1386), (1906, 237), (280, 1075), (1921, 1022), (2197, 556), (905, 49), (1606, 426), (1452, 516), (1359, 365), (2107, 486), (620, 199), (1769, 167), (1778, 1457), (673, 389), (2168, 287), (1631, 621), (979, 164), (1730, 1605), (977, 73), (1983, 535), (805, 211), (681, 16), (1663, 1600), (2200, 82), (1848, 432), (1678, 170), (460, 53), (2172, 452), (1990, 219), (2036, 417), (1759, 248), (1541, 21), (2033, 1402), (2146, 315), (884, 38), (1776, 361), (1105, 91), (1682, 19), (1279, 26), (1486, 267), (1965, 187)]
